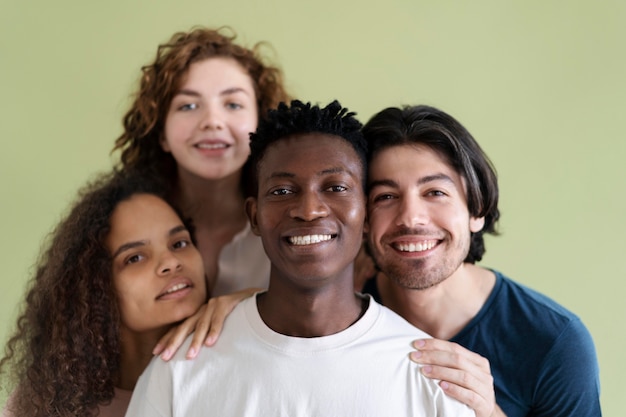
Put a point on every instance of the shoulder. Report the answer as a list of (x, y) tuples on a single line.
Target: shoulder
[(393, 323), (532, 303)]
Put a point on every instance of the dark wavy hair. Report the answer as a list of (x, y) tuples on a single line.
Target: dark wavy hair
[(302, 118), (144, 123), (441, 132), (63, 357)]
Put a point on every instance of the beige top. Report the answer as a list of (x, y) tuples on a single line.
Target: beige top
[(242, 264)]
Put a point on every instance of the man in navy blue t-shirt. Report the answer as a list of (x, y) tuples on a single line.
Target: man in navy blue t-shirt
[(499, 347)]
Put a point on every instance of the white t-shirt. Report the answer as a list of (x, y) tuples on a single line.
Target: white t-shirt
[(254, 371)]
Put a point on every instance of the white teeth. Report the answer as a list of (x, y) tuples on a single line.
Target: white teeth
[(309, 239), (416, 247), (176, 288), (211, 145)]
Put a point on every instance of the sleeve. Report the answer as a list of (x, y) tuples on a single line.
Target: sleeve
[(568, 384), (153, 394)]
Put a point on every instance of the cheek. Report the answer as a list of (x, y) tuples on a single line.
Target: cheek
[(377, 223), (244, 126), (176, 129)]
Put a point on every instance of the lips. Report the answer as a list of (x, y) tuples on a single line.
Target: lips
[(174, 288)]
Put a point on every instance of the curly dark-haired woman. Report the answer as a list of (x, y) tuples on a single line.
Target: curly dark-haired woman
[(119, 270)]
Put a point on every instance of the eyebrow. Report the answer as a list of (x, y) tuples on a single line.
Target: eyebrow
[(139, 243), (226, 92), (421, 181), (334, 170)]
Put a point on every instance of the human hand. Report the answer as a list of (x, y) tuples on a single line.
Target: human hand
[(463, 374), (206, 324)]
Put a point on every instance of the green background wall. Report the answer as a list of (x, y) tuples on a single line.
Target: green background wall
[(540, 84)]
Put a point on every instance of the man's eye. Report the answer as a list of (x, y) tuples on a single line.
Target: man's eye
[(382, 197), (338, 188), (281, 191), (436, 193)]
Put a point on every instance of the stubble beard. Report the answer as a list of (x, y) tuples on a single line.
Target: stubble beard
[(416, 274)]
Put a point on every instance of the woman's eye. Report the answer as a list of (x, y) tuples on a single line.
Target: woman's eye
[(234, 106), (188, 106), (181, 244), (133, 259)]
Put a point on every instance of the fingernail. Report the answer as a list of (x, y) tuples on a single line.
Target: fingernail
[(157, 349), (427, 369), (444, 385), (420, 343), (416, 355), (166, 355), (191, 353)]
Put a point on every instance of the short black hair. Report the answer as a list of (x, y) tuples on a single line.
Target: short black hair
[(444, 134), (301, 118)]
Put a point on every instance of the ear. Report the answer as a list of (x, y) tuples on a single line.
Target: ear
[(164, 145), (476, 224), (251, 210)]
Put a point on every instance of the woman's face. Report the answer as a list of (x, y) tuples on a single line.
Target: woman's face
[(210, 118), (158, 273)]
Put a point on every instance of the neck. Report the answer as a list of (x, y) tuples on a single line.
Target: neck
[(135, 355), (311, 312), (211, 202), (445, 309)]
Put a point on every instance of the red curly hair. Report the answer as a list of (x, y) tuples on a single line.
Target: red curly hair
[(144, 122), (64, 356)]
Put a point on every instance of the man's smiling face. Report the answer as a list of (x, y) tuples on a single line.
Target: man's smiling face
[(310, 208)]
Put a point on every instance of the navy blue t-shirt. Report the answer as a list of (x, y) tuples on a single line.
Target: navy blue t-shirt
[(542, 356)]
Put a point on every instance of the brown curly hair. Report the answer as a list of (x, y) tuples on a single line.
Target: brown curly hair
[(63, 358), (144, 122)]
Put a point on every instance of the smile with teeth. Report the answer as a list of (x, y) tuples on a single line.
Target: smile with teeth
[(416, 247), (175, 288), (308, 239), (211, 145)]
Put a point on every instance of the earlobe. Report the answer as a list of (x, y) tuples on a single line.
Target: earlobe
[(251, 208), (476, 224), (164, 145)]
